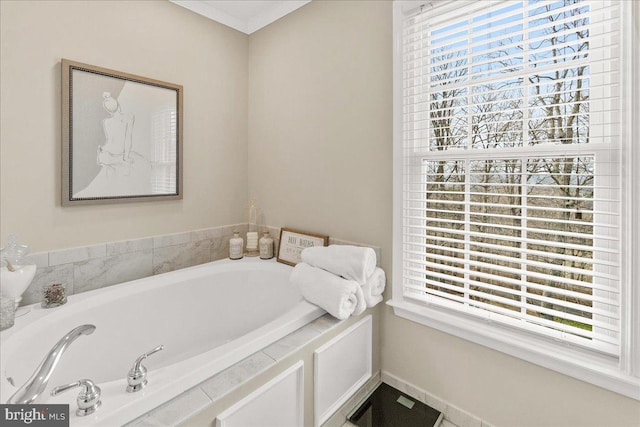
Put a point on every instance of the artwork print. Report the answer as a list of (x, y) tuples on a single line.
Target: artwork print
[(121, 136)]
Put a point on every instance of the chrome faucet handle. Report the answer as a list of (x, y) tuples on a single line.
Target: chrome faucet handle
[(89, 398), (137, 377)]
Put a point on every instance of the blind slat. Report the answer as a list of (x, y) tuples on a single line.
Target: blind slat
[(541, 288), (517, 304)]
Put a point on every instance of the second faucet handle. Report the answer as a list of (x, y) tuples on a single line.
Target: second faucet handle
[(137, 376), (89, 398)]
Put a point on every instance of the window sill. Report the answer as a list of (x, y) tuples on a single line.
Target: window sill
[(593, 368)]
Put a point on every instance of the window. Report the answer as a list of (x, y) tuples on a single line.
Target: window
[(509, 178)]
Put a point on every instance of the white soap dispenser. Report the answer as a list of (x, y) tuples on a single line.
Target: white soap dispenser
[(236, 246), (266, 245)]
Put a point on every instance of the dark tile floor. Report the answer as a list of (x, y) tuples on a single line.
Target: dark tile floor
[(388, 407)]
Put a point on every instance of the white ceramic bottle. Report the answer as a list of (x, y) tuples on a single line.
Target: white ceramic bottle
[(266, 246), (236, 246)]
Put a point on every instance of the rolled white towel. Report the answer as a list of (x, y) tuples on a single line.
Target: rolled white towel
[(339, 297), (351, 262), (374, 286), (361, 302)]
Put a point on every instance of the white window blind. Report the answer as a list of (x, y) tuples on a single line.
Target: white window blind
[(511, 165)]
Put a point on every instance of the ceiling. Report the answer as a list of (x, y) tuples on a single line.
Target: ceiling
[(243, 15)]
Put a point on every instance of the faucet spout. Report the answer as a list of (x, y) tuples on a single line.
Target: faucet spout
[(35, 385)]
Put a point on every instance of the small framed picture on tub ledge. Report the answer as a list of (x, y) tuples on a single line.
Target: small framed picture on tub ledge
[(292, 242)]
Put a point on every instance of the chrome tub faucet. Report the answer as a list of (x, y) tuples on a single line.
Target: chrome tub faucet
[(35, 385)]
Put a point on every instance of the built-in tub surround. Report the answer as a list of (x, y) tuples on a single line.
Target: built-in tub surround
[(201, 315), (113, 263), (200, 405)]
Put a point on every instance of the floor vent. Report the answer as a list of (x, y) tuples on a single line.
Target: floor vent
[(388, 407)]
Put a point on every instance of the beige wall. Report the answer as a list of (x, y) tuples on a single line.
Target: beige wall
[(155, 39), (320, 120), (498, 388), (320, 141)]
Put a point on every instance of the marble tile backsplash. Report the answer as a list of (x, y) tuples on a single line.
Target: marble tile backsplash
[(92, 267)]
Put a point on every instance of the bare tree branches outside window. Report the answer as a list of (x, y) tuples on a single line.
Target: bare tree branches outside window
[(508, 230)]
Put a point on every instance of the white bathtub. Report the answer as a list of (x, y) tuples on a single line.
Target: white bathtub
[(207, 317)]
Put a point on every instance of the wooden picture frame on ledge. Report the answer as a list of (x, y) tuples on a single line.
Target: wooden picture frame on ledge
[(292, 242), (121, 137)]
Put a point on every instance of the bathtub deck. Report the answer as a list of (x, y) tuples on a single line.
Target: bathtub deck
[(212, 389)]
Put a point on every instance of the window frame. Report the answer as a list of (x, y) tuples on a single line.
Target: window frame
[(619, 374)]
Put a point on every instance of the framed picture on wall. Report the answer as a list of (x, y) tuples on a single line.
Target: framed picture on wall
[(293, 242), (121, 136)]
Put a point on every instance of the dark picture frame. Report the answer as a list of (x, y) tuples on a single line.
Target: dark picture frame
[(121, 137)]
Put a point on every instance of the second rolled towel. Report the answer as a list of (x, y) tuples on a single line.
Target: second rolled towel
[(337, 296), (351, 262), (374, 287)]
